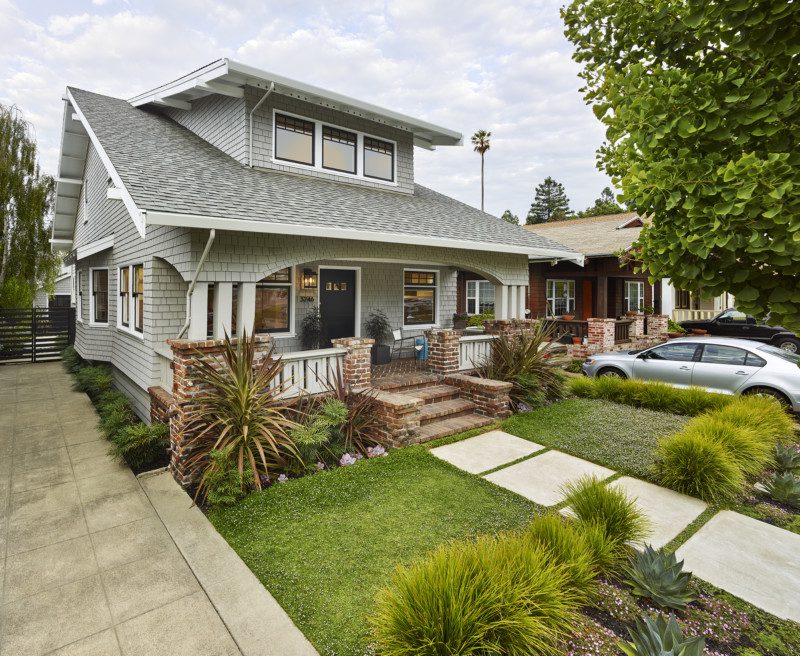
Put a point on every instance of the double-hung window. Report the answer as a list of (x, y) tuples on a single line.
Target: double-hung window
[(125, 297), (98, 296), (419, 298), (634, 295), (294, 139), (560, 297), (138, 298), (274, 303), (130, 313), (480, 297)]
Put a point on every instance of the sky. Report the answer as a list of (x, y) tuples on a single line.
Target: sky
[(499, 65)]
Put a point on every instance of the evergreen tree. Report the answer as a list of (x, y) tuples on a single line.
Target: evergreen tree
[(510, 217), (549, 204), (606, 204)]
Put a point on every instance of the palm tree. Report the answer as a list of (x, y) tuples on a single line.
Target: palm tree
[(481, 142)]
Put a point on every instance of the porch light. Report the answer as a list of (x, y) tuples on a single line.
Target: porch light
[(309, 279)]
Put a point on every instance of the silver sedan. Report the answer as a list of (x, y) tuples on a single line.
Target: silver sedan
[(718, 364)]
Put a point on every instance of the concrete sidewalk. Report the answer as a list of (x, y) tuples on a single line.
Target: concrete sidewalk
[(86, 564)]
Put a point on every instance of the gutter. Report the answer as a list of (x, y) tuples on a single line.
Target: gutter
[(250, 117), (211, 235)]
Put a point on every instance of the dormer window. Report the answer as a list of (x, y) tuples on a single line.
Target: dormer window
[(294, 139), (378, 159), (339, 149)]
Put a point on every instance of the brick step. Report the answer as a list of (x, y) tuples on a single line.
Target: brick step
[(434, 393), (402, 382), (451, 426), (452, 408)]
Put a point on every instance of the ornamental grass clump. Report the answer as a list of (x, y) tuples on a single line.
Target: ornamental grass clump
[(763, 415), (750, 452)]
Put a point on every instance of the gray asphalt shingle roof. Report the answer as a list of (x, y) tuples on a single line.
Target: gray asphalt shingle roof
[(167, 168), (594, 236)]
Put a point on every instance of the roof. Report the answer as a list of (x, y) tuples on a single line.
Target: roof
[(228, 77), (594, 236), (167, 175)]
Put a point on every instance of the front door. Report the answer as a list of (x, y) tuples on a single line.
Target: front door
[(337, 300)]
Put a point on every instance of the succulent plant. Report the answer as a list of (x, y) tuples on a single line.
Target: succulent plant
[(787, 458), (660, 637), (784, 488), (659, 576)]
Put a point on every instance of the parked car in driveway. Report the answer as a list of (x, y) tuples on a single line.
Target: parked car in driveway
[(718, 364), (732, 323)]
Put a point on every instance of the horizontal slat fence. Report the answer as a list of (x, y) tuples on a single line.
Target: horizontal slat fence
[(35, 334)]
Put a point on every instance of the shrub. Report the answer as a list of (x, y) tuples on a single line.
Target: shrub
[(763, 415), (660, 637), (315, 433), (657, 575), (224, 485), (583, 387), (694, 400), (94, 379), (363, 427), (786, 458), (784, 488), (140, 444), (608, 553), (611, 508), (116, 414), (476, 320), (71, 360), (741, 442), (495, 596), (690, 463), (523, 361)]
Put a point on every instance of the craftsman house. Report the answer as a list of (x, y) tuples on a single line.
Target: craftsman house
[(233, 199)]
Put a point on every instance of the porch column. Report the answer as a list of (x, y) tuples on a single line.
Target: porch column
[(522, 293), (246, 308), (500, 302), (602, 297), (512, 302), (223, 309), (198, 326)]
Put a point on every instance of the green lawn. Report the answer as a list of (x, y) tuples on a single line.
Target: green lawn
[(618, 436), (324, 544)]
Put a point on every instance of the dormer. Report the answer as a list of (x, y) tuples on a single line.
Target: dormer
[(265, 120)]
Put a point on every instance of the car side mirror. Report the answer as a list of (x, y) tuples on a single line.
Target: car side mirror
[(643, 356)]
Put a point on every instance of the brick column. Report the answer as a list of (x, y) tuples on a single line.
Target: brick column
[(637, 327), (657, 325), (160, 404), (357, 365), (185, 387), (601, 335), (443, 351), (491, 397), (399, 416)]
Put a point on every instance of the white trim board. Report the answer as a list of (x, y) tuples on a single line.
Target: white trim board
[(94, 247)]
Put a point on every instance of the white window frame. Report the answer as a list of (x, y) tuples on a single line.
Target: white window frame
[(318, 125), (292, 332), (639, 296), (79, 294), (436, 299), (476, 296), (550, 295), (130, 328), (92, 322)]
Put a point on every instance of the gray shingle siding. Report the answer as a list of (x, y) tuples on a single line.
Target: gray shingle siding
[(219, 120)]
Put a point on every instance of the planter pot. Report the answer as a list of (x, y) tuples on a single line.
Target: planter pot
[(674, 335), (631, 313), (577, 341), (699, 331), (567, 317), (381, 354), (459, 325)]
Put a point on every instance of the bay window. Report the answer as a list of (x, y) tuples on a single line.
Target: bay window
[(560, 297), (419, 298), (131, 298), (98, 296), (274, 303), (480, 297), (634, 295)]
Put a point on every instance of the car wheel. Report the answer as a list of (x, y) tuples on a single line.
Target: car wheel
[(780, 397), (611, 372), (790, 344)]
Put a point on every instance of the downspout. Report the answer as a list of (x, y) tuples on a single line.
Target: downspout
[(258, 104), (211, 234)]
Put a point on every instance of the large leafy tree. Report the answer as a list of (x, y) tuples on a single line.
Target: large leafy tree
[(26, 260), (606, 204), (701, 104), (481, 142), (549, 204), (509, 216)]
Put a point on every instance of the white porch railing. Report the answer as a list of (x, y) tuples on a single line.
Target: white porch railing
[(693, 315), (473, 350), (164, 364), (309, 371)]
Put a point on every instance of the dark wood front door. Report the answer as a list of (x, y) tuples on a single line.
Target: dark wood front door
[(337, 300), (586, 299)]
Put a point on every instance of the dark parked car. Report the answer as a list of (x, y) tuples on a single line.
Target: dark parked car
[(732, 323)]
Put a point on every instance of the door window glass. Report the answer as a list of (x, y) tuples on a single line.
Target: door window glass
[(753, 360), (717, 354), (680, 352)]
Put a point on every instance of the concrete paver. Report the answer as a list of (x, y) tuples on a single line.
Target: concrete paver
[(542, 477), (486, 451), (752, 559)]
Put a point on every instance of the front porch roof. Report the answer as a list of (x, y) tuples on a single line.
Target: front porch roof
[(173, 177)]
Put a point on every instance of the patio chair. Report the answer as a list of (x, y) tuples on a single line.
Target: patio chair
[(404, 343)]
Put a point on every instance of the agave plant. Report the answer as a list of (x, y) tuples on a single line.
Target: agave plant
[(239, 411), (658, 575), (660, 637), (787, 458), (784, 488)]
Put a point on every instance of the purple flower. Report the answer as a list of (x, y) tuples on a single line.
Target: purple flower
[(283, 478), (320, 465), (347, 459), (376, 451)]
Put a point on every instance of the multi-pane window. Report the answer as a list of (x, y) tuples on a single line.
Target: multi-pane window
[(294, 139), (339, 149), (124, 297), (99, 295), (419, 298), (138, 298), (560, 297), (634, 295), (274, 303), (682, 299), (378, 159), (480, 297)]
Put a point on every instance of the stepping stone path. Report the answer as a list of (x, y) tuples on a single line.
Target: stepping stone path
[(542, 477), (487, 451), (669, 512), (749, 558)]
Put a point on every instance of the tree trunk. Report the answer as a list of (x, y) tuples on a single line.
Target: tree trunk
[(482, 183)]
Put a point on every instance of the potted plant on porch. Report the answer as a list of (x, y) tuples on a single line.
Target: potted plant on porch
[(377, 327), (312, 329), (460, 321)]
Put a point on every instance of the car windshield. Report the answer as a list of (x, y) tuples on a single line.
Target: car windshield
[(779, 352)]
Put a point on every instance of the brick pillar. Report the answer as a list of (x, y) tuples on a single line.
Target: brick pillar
[(657, 325), (185, 386), (160, 404), (601, 334), (637, 327), (509, 327), (357, 365), (443, 351)]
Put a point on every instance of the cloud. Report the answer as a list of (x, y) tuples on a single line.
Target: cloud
[(500, 66)]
